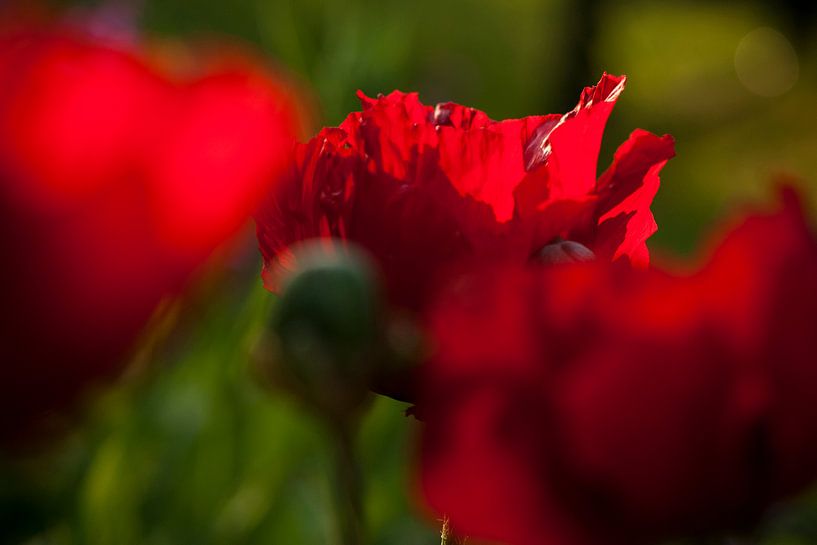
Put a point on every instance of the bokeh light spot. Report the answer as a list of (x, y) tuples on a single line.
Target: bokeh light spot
[(766, 63)]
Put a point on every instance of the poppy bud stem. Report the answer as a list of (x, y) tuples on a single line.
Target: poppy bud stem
[(347, 484)]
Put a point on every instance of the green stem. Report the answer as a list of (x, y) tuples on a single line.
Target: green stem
[(348, 490)]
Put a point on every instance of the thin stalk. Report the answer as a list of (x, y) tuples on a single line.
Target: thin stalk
[(347, 485), (447, 537)]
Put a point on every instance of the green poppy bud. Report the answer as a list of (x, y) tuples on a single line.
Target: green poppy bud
[(326, 328)]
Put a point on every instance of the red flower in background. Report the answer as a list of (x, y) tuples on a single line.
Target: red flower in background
[(584, 404), (116, 180), (426, 188)]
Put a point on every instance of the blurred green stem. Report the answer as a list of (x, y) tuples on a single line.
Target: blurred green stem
[(348, 489)]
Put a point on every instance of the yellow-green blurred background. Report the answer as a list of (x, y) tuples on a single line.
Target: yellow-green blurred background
[(187, 449)]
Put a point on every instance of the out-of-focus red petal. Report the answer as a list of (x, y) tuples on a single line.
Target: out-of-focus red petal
[(116, 181), (75, 115), (477, 472), (641, 405), (223, 139), (482, 447)]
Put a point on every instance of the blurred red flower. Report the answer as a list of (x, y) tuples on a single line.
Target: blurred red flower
[(588, 404), (423, 188), (116, 180)]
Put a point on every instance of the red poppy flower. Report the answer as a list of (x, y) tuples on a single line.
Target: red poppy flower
[(115, 181), (584, 404), (423, 188)]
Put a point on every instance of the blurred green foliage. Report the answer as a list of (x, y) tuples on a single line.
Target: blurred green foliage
[(189, 449), (731, 143)]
